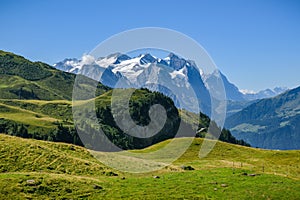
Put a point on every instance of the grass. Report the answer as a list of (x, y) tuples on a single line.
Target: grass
[(205, 184), (210, 184), (37, 114), (64, 171), (46, 186), (25, 116), (24, 155), (58, 109)]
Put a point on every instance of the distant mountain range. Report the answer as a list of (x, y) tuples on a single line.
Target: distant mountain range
[(178, 74), (272, 123), (175, 77), (267, 93)]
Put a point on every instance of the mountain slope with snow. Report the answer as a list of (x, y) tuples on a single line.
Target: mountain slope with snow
[(176, 77), (232, 91)]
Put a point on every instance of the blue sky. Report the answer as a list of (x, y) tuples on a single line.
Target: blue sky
[(256, 43)]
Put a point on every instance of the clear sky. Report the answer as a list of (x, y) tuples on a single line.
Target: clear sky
[(256, 43)]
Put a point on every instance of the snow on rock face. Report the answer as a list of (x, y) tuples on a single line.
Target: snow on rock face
[(177, 74), (176, 62), (147, 58), (67, 64), (112, 59)]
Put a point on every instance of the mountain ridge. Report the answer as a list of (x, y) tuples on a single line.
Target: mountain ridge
[(270, 123)]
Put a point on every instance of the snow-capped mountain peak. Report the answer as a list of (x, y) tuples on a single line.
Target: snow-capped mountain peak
[(175, 62), (246, 91), (147, 58), (145, 70), (69, 65), (267, 93), (112, 59)]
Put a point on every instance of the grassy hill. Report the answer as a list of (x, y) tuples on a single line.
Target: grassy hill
[(39, 119), (32, 169), (37, 113), (23, 79)]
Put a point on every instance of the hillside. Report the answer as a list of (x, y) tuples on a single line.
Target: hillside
[(23, 79), (270, 123), (32, 169), (53, 120)]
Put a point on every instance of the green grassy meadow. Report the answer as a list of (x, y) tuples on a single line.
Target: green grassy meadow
[(33, 169)]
